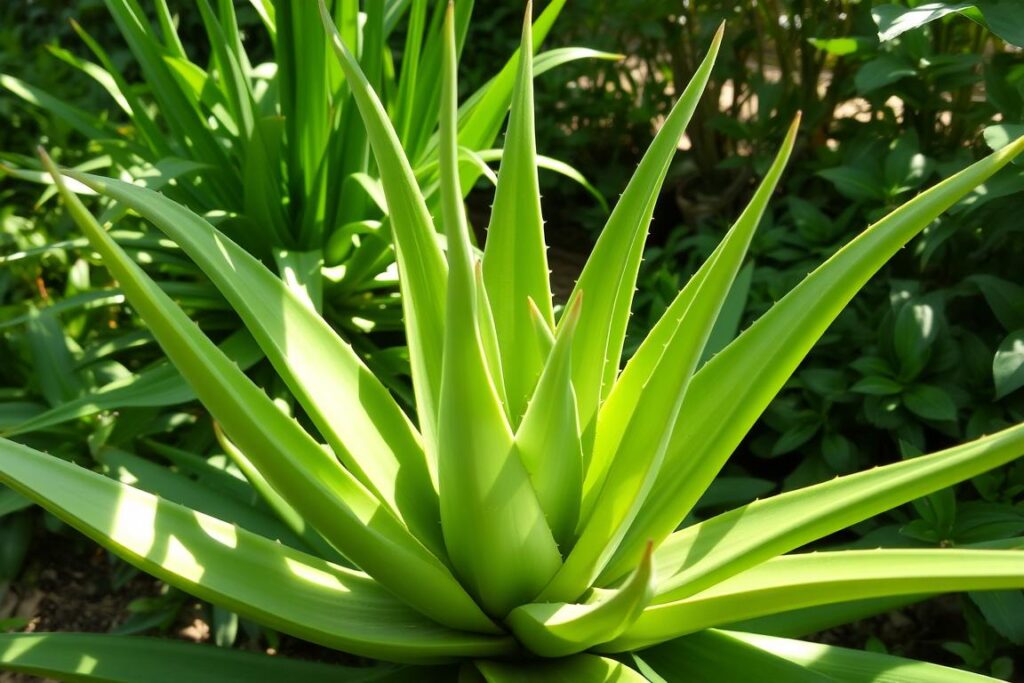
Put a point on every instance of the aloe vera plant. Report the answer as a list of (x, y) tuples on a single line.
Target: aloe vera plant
[(524, 526)]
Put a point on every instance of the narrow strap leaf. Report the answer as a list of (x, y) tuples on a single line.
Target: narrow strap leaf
[(548, 440), (420, 262), (807, 580), (258, 578), (494, 528), (560, 629), (855, 666), (306, 475), (579, 668), (716, 657), (515, 256), (700, 556), (609, 277), (121, 659), (730, 392), (349, 405)]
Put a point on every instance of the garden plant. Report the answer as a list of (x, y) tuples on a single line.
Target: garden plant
[(525, 524)]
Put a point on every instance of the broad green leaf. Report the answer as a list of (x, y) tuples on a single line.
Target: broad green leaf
[(639, 416), (548, 440), (609, 276), (700, 556), (421, 264), (560, 629), (494, 527), (349, 405), (305, 474), (718, 657), (856, 666), (53, 364), (160, 385), (253, 576), (929, 402), (894, 20), (1008, 365), (515, 256), (881, 71), (87, 657), (729, 393), (806, 580), (579, 668)]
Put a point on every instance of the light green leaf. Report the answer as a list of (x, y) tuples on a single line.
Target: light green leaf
[(806, 580), (515, 256), (349, 405), (700, 556), (609, 276), (82, 657), (730, 392), (718, 657), (560, 629), (306, 475), (856, 666), (579, 668), (420, 261), (494, 527), (258, 578), (548, 440)]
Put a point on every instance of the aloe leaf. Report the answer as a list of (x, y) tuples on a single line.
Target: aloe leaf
[(160, 385), (579, 668), (348, 404), (635, 424), (560, 629), (718, 657), (258, 578), (807, 580), (704, 554), (548, 440), (423, 269), (515, 256), (87, 657), (161, 481), (494, 528), (306, 475), (730, 392), (609, 276), (854, 666)]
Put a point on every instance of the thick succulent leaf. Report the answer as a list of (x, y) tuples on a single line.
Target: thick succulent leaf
[(609, 276), (628, 395), (248, 574), (560, 629), (170, 485), (87, 657), (350, 407), (548, 440), (160, 385), (515, 256), (733, 388), (855, 666), (806, 580), (579, 668), (494, 528), (637, 429), (707, 553), (717, 657), (305, 474), (421, 264)]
